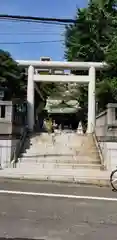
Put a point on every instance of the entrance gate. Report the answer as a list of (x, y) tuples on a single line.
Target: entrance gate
[(86, 79)]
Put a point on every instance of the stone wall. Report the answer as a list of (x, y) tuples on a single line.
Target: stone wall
[(5, 117), (5, 152), (106, 123), (11, 128), (109, 151), (101, 124), (106, 132)]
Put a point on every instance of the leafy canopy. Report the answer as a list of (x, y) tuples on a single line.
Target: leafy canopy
[(94, 38)]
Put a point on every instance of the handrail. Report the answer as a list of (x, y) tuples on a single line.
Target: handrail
[(18, 148), (99, 150)]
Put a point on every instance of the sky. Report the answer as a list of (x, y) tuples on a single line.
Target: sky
[(13, 34)]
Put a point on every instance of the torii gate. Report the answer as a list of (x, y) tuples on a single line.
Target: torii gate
[(86, 79)]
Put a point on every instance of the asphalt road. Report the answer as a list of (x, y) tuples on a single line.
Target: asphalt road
[(56, 218)]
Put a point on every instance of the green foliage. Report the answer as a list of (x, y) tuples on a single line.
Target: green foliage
[(106, 4), (94, 38), (11, 76)]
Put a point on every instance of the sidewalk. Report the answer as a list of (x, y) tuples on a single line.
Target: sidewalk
[(78, 176)]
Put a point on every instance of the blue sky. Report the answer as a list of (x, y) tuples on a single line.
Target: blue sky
[(28, 32)]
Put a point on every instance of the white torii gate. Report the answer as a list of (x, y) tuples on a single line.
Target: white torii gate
[(86, 79)]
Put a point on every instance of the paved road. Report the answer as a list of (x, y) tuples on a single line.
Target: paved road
[(53, 218)]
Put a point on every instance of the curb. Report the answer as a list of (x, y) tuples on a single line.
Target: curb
[(79, 181)]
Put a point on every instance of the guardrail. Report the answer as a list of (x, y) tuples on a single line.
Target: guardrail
[(5, 151), (19, 146), (99, 150)]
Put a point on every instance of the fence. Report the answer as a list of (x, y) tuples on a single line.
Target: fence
[(106, 133), (6, 147), (107, 139), (17, 148), (110, 154), (20, 114)]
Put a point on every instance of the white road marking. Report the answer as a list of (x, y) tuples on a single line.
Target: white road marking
[(57, 195)]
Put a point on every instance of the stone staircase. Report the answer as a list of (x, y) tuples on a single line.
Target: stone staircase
[(60, 151), (60, 157)]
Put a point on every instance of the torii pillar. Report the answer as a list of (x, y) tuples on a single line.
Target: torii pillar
[(30, 98), (91, 100)]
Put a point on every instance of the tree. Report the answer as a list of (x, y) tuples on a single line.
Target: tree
[(106, 4), (14, 79), (94, 38), (11, 76)]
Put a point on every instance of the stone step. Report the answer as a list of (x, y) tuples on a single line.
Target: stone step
[(60, 136), (57, 139), (63, 149), (60, 159), (68, 152), (50, 148), (64, 175), (74, 172), (86, 176), (47, 154), (56, 166), (60, 146), (63, 145)]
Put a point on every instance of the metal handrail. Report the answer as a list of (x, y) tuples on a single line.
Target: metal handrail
[(18, 148), (99, 149)]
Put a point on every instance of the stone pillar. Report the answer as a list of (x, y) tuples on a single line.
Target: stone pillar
[(110, 113), (91, 101), (30, 98)]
